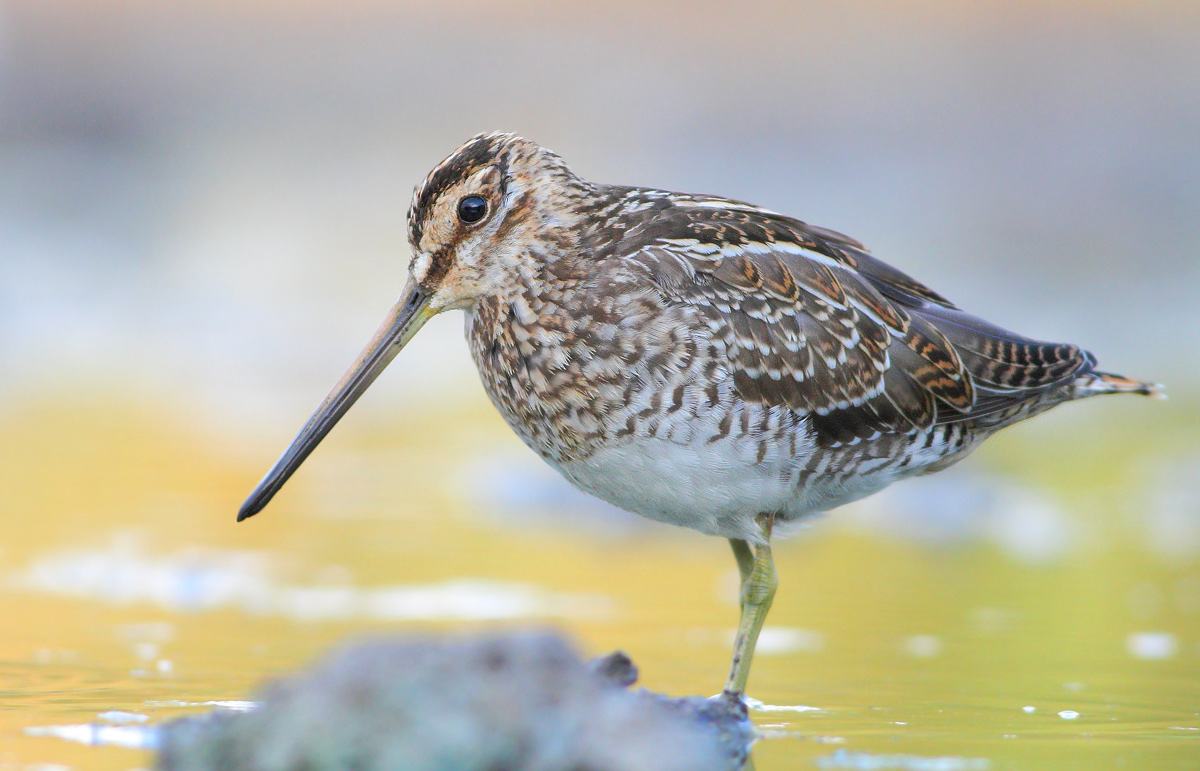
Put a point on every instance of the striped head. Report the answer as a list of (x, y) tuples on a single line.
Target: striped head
[(483, 213)]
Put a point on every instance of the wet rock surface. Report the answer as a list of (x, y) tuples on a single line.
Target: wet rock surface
[(518, 701)]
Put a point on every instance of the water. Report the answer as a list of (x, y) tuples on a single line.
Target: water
[(201, 219), (896, 642)]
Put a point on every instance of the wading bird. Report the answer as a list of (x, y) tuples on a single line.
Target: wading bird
[(698, 360)]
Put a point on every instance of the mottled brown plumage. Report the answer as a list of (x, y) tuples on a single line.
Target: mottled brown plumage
[(698, 360)]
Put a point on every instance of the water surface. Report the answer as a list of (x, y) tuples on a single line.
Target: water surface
[(1025, 610)]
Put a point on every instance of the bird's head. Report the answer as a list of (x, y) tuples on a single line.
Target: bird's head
[(490, 211), (492, 208)]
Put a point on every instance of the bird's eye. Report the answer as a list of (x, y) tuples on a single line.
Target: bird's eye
[(471, 209)]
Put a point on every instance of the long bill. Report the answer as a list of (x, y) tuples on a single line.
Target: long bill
[(407, 316)]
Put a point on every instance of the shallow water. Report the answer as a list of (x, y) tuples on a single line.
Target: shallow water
[(1036, 607)]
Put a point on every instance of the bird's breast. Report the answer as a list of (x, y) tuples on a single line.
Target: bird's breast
[(575, 373), (523, 362), (653, 425)]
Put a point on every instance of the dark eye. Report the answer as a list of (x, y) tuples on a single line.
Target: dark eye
[(471, 209)]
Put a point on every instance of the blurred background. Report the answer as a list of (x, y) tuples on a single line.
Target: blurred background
[(202, 221)]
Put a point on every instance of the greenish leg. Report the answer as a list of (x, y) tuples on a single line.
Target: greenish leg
[(745, 562), (758, 590)]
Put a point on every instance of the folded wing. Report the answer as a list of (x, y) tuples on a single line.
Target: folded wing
[(809, 320)]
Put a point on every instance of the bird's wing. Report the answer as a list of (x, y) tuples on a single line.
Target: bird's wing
[(807, 319)]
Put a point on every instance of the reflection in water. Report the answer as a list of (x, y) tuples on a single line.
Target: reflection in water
[(127, 729), (132, 737), (118, 717), (923, 646), (757, 706), (866, 761), (1151, 645), (232, 705), (774, 640), (208, 580)]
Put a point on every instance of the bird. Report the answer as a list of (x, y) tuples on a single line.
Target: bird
[(695, 359)]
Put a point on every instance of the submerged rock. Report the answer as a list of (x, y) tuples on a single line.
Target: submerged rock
[(518, 701)]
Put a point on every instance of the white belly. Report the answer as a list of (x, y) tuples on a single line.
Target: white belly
[(687, 486), (708, 488)]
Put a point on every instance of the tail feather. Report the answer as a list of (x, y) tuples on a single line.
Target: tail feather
[(1096, 383)]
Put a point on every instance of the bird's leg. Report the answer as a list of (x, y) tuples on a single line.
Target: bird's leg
[(745, 563), (758, 589)]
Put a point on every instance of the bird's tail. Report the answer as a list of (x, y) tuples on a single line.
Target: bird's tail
[(1096, 383)]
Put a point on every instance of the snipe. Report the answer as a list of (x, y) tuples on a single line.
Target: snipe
[(698, 360)]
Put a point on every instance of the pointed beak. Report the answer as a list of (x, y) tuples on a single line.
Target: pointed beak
[(407, 316)]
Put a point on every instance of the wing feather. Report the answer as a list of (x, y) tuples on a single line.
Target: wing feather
[(807, 319)]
